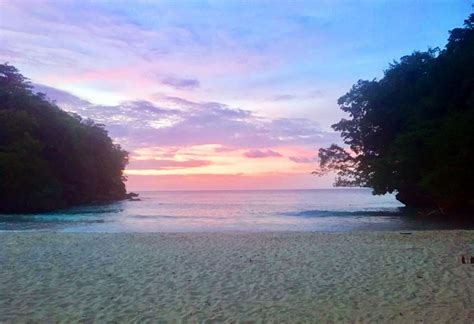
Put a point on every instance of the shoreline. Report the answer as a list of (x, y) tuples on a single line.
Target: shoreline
[(238, 276)]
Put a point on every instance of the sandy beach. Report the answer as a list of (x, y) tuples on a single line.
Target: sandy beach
[(281, 277)]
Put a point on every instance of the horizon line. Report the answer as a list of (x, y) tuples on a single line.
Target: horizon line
[(214, 190)]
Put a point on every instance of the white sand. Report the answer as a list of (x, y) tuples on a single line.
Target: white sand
[(284, 277)]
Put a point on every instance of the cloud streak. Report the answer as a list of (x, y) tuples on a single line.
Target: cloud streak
[(181, 84), (302, 159), (258, 154), (167, 164)]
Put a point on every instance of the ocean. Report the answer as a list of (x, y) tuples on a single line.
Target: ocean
[(246, 210)]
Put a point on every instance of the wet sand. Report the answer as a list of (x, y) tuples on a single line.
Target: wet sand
[(281, 277)]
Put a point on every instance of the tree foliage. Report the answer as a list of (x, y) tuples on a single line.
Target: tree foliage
[(412, 132), (49, 158)]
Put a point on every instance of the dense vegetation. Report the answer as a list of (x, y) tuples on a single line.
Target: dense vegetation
[(412, 132), (49, 158)]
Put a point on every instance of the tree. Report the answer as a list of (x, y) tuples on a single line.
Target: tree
[(49, 158), (412, 132)]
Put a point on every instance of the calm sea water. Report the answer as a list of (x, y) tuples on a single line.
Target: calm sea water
[(186, 211)]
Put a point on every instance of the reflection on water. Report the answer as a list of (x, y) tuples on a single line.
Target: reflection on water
[(285, 210)]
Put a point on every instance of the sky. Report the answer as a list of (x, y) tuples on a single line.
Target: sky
[(216, 94)]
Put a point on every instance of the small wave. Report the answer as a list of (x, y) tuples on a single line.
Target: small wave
[(50, 219), (86, 211), (335, 213), (73, 214), (152, 217)]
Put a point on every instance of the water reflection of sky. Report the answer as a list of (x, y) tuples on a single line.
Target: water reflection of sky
[(303, 210)]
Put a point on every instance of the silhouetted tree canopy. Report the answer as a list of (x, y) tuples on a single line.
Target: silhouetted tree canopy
[(412, 132), (49, 158)]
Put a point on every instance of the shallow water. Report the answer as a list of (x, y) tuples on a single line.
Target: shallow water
[(278, 210)]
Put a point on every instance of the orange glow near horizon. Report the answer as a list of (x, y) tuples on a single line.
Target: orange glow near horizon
[(225, 163), (213, 166), (274, 181)]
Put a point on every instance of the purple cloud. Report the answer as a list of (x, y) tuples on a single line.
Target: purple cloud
[(181, 84), (304, 96), (225, 149), (61, 97), (302, 159), (257, 154), (142, 123), (284, 97)]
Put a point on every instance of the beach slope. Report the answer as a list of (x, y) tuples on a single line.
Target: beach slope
[(284, 277)]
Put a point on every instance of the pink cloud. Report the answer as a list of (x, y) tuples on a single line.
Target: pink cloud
[(167, 164), (256, 154), (221, 149)]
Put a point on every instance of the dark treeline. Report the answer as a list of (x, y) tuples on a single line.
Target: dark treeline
[(49, 158), (412, 132)]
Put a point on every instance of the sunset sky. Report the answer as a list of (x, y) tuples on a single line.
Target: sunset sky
[(216, 94)]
